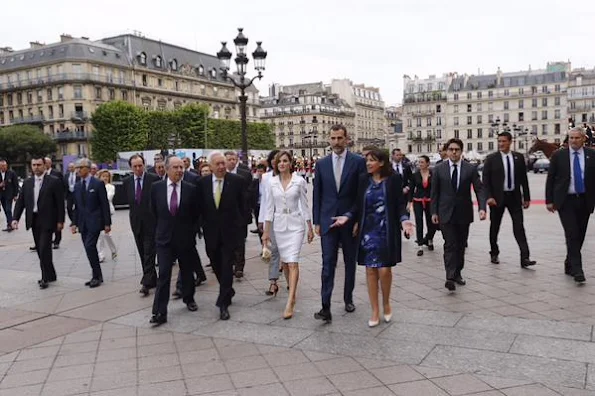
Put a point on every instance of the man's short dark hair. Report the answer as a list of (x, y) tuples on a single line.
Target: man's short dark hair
[(396, 150), (261, 166), (135, 156), (339, 127), (507, 135), (456, 141), (229, 152), (425, 157), (271, 157), (36, 157)]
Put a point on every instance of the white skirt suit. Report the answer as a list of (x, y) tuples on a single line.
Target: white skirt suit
[(288, 211)]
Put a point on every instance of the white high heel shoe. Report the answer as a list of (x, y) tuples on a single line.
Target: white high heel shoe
[(387, 318), (373, 323)]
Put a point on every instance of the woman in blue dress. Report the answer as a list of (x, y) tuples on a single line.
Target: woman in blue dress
[(381, 210)]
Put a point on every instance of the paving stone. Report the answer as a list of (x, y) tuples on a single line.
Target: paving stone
[(116, 343), (116, 354), (256, 333), (36, 353), (213, 383), (163, 388), (578, 351), (22, 379), (571, 374), (426, 317), (396, 374), (285, 358), (245, 363), (562, 390), (545, 328), (113, 367), (79, 347), (529, 390), (30, 390), (354, 381), (309, 387), (417, 388), (432, 372), (252, 378), (591, 377), (461, 384), (478, 339), (238, 350), (206, 355), (160, 374), (338, 366), (129, 391), (24, 366), (69, 387), (378, 391), (297, 371), (501, 383), (72, 372), (203, 369)]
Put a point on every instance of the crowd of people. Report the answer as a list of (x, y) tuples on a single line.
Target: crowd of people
[(361, 206)]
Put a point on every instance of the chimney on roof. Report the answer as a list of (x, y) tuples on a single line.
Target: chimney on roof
[(35, 44), (498, 76), (65, 37), (5, 50), (85, 38)]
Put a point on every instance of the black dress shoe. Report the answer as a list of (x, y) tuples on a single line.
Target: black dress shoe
[(177, 294), (224, 314), (460, 281), (43, 284), (192, 306), (567, 270), (494, 259), (144, 291), (209, 265), (95, 283), (7, 229), (349, 307), (158, 319), (527, 263), (254, 231), (89, 282), (580, 278), (33, 248), (324, 315), (239, 274), (56, 246), (450, 285)]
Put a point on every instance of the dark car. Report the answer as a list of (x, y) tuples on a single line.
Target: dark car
[(118, 177)]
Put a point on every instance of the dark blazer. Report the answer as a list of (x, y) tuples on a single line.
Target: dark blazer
[(141, 216), (178, 230), (558, 178), (445, 199), (407, 172), (190, 177), (65, 182), (416, 187), (395, 211), (57, 174), (254, 193), (493, 178), (11, 185), (245, 174), (326, 201), (226, 224), (95, 215), (50, 203)]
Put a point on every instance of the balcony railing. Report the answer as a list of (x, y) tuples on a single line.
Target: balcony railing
[(308, 111), (79, 116), (69, 136), (420, 139), (32, 119), (65, 77)]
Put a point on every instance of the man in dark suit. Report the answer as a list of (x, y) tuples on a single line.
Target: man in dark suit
[(452, 208), (9, 189), (159, 170), (70, 180), (231, 159), (504, 175), (156, 158), (403, 168), (187, 168), (223, 210), (92, 215), (142, 222), (335, 192), (443, 154), (42, 197), (255, 196), (174, 204), (53, 172), (570, 190)]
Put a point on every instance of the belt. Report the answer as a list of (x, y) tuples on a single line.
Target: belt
[(423, 201), (577, 195)]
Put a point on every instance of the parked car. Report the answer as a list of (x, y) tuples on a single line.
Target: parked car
[(118, 176), (541, 166)]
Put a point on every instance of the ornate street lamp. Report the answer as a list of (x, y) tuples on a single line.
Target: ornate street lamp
[(240, 80)]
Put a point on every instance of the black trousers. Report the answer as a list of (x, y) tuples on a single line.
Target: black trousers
[(57, 237), (419, 211), (70, 206), (196, 269), (515, 209), (166, 255), (90, 243), (256, 214), (7, 207), (145, 244), (222, 261), (455, 238), (43, 243), (239, 255), (574, 217)]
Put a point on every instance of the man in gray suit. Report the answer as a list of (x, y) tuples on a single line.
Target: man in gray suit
[(452, 208)]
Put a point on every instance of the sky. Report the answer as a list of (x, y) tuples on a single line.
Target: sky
[(374, 42)]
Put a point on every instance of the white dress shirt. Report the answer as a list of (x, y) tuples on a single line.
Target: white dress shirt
[(215, 182), (398, 166), (38, 182), (142, 178), (581, 158), (458, 164), (511, 159), (71, 181), (170, 189)]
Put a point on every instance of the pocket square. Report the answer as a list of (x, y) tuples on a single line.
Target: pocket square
[(92, 190)]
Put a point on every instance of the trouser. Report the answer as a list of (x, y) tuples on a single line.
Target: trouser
[(419, 210), (574, 217), (105, 239), (515, 209), (7, 207), (70, 206), (43, 243), (57, 237), (275, 257), (166, 255), (145, 245), (196, 269), (90, 243), (330, 247), (222, 260), (455, 239), (239, 256)]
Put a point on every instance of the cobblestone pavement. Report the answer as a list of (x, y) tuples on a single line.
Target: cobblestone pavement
[(510, 331)]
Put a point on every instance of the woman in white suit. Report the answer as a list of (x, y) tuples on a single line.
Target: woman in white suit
[(106, 177), (288, 214)]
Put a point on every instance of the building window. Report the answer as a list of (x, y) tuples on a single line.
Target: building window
[(544, 129), (51, 112), (78, 92), (39, 96), (124, 95), (490, 146), (418, 122), (479, 95), (557, 88), (49, 94), (479, 133), (61, 111), (213, 73), (557, 101), (544, 114), (456, 108), (438, 133), (469, 120), (533, 90), (490, 118), (556, 129), (469, 133), (544, 89), (479, 119), (112, 94), (479, 107), (479, 146), (534, 129), (506, 117), (438, 109), (469, 110), (456, 120), (144, 79), (438, 120), (29, 97), (142, 58), (456, 96), (490, 94), (533, 102), (159, 82), (429, 121), (98, 93), (544, 102), (19, 98), (521, 104), (469, 96), (159, 62), (506, 105), (521, 116), (457, 134), (60, 93), (174, 65), (506, 92), (9, 99), (533, 115), (521, 91), (409, 122), (201, 70), (469, 146)]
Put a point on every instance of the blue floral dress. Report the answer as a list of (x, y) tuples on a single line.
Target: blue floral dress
[(373, 249)]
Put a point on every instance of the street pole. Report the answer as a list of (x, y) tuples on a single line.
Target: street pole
[(244, 122)]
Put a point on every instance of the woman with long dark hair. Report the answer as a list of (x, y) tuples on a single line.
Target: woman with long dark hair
[(380, 210), (419, 199)]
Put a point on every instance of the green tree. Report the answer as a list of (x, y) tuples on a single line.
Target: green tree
[(18, 143), (228, 134), (190, 125), (118, 126), (161, 126)]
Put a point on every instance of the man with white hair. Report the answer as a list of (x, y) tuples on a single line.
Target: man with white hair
[(570, 190)]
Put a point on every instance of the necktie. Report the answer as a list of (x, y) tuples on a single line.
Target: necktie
[(218, 193), (72, 181), (173, 203), (508, 174), (338, 172), (454, 180), (579, 183), (138, 192), (36, 189), (84, 193)]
